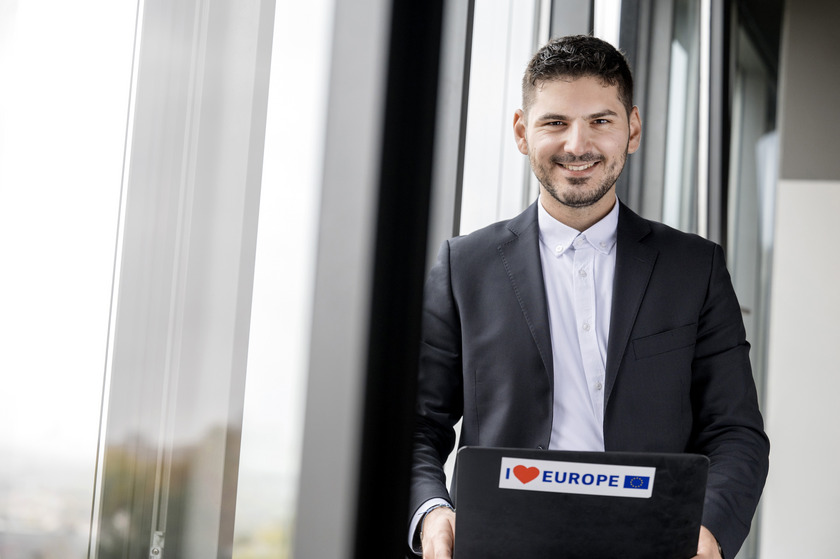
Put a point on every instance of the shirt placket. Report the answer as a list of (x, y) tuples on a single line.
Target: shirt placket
[(584, 293)]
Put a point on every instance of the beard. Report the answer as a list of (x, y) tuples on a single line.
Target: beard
[(580, 192)]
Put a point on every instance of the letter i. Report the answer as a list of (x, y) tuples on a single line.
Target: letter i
[(507, 475)]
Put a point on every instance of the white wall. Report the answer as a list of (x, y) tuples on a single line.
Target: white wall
[(801, 505)]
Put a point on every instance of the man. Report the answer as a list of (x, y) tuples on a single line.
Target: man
[(578, 325)]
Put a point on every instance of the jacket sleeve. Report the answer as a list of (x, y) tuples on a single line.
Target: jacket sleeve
[(439, 388), (728, 427)]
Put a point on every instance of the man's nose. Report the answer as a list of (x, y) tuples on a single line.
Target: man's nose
[(577, 139)]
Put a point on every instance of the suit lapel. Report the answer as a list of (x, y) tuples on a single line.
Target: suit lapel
[(633, 266), (520, 254)]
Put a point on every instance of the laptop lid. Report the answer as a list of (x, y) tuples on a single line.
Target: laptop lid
[(517, 503)]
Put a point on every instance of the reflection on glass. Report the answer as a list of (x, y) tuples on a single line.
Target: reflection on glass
[(752, 193), (752, 198), (284, 278), (65, 69), (680, 192)]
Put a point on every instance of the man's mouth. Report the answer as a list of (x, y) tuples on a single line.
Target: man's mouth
[(583, 167)]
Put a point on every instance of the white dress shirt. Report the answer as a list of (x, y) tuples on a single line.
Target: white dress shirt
[(578, 271)]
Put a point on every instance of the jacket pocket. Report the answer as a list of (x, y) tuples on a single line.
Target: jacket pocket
[(678, 338)]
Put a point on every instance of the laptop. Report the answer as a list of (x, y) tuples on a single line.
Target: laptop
[(519, 503)]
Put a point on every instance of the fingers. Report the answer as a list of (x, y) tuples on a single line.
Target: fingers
[(438, 535)]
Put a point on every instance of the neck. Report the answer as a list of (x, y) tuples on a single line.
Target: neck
[(580, 219)]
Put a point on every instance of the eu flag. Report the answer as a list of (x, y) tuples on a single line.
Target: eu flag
[(636, 482)]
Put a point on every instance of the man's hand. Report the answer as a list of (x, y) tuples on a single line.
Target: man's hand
[(707, 547), (438, 534)]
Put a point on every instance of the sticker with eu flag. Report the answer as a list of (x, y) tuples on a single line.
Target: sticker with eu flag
[(551, 476), (636, 482)]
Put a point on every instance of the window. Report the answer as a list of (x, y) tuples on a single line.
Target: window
[(66, 72), (284, 278)]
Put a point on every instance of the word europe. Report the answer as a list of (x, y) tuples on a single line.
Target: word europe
[(526, 475)]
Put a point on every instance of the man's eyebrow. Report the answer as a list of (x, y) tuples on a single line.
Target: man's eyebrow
[(603, 113), (553, 116)]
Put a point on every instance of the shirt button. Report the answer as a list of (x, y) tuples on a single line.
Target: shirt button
[(558, 249), (586, 327), (603, 245), (598, 386), (582, 273)]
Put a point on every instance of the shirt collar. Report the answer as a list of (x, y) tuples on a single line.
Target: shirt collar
[(558, 237)]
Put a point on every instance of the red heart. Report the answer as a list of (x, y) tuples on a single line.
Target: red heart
[(525, 474)]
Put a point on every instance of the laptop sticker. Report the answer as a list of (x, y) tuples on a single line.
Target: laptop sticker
[(579, 478)]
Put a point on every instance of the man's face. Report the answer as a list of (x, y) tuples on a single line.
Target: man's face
[(577, 135)]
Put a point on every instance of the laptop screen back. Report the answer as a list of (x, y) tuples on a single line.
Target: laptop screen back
[(516, 503)]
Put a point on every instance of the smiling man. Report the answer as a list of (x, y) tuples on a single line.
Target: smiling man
[(577, 134), (579, 325)]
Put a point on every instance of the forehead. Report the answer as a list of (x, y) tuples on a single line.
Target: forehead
[(584, 93)]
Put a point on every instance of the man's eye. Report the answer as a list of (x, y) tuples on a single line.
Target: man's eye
[(601, 121)]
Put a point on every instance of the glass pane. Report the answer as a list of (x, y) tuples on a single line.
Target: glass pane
[(754, 160), (281, 311), (680, 193), (65, 69), (183, 297), (503, 42), (751, 206)]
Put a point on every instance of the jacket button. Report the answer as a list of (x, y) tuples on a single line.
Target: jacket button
[(540, 447)]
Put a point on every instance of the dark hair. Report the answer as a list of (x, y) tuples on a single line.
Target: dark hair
[(575, 57)]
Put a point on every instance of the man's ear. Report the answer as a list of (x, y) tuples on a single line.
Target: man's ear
[(520, 126), (635, 131)]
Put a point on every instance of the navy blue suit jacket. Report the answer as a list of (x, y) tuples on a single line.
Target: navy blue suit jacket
[(678, 376)]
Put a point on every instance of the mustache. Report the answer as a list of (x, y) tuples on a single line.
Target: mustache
[(573, 159)]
